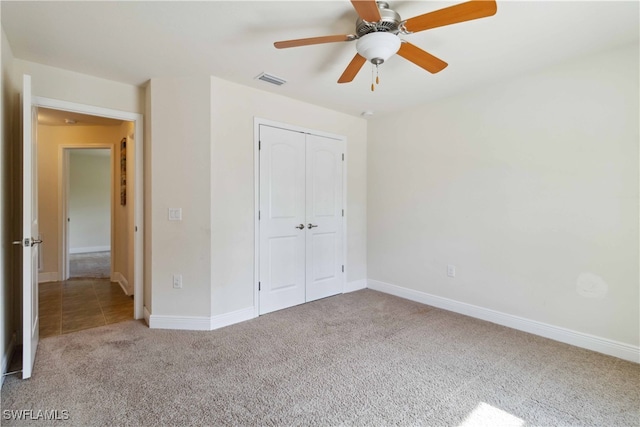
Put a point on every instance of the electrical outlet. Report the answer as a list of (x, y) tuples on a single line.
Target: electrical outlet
[(177, 281), (451, 270)]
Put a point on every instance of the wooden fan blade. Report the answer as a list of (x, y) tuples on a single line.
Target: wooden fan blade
[(452, 15), (313, 40), (352, 69), (421, 58), (367, 10)]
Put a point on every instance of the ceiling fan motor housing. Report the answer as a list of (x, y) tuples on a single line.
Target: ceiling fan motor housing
[(389, 22), (378, 41)]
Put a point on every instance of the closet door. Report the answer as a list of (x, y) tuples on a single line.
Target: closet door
[(282, 219), (324, 217)]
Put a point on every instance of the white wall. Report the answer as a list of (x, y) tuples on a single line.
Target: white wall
[(233, 109), (56, 83), (180, 178), (8, 135), (89, 200), (529, 187)]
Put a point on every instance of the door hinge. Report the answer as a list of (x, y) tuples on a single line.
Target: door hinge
[(259, 286), (343, 157), (259, 145), (136, 228), (342, 212), (343, 268), (258, 215)]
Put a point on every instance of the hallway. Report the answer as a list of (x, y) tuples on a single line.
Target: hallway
[(74, 305), (95, 265)]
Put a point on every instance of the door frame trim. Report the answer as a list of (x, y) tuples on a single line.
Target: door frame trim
[(257, 121), (138, 214)]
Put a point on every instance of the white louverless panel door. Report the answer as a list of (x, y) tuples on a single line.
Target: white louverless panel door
[(324, 276), (30, 244), (282, 212)]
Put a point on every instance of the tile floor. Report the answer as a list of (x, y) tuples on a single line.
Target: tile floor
[(81, 304)]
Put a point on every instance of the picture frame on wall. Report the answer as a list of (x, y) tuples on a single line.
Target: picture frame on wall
[(123, 172)]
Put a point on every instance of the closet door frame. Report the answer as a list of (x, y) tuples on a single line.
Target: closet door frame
[(257, 121)]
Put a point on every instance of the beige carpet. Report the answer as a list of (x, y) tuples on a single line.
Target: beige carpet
[(363, 359), (95, 265)]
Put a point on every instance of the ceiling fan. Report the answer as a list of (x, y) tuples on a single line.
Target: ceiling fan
[(378, 28)]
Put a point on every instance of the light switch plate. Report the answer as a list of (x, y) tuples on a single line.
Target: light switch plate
[(175, 214), (451, 270)]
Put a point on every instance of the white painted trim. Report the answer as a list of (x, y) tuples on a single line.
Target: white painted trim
[(186, 323), (6, 359), (256, 212), (287, 126), (137, 227), (88, 249), (257, 121), (233, 317), (118, 277), (147, 316), (345, 285), (355, 285), (50, 276), (197, 323), (557, 333)]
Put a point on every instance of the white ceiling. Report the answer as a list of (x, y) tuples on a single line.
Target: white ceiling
[(132, 42)]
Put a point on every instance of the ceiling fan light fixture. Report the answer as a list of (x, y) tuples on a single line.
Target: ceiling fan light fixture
[(378, 47)]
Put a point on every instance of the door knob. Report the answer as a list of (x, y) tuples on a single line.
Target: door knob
[(30, 241), (310, 226), (300, 227)]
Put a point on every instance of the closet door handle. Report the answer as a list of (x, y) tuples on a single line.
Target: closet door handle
[(310, 226), (300, 227)]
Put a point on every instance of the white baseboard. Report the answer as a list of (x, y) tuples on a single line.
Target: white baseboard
[(197, 323), (237, 316), (355, 285), (50, 276), (6, 359), (147, 316), (186, 323), (89, 249), (568, 336), (122, 281)]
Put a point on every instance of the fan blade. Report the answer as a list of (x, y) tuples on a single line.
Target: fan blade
[(421, 58), (452, 15), (352, 69), (367, 10), (314, 40)]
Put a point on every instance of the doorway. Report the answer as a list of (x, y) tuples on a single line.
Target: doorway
[(100, 136), (86, 263), (300, 230), (89, 212)]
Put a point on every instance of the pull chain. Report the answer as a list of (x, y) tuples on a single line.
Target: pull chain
[(377, 77), (372, 86)]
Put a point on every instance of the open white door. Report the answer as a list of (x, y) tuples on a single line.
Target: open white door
[(30, 241)]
